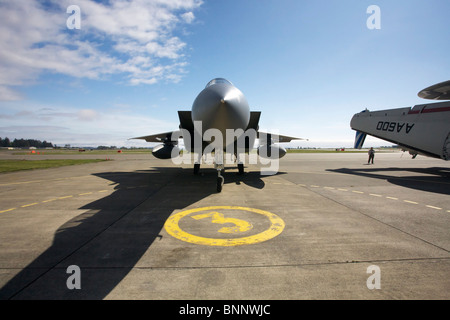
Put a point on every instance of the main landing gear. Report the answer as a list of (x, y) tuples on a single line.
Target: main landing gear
[(240, 168), (196, 168)]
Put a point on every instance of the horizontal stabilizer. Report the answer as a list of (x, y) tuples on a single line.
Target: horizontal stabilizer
[(160, 137)]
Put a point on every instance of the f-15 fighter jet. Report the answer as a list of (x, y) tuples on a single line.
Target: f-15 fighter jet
[(219, 122)]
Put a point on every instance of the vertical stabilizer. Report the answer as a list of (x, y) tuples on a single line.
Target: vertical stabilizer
[(359, 139)]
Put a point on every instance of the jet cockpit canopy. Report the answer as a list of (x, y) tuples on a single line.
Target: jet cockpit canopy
[(218, 80)]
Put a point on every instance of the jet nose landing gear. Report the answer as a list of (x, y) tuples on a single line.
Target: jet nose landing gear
[(220, 179)]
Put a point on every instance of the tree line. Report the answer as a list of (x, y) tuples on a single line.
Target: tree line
[(24, 143)]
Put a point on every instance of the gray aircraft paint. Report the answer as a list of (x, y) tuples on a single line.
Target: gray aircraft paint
[(220, 120)]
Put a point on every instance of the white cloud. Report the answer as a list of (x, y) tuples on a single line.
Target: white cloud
[(188, 17), (130, 37), (87, 115), (170, 49), (66, 125), (9, 94)]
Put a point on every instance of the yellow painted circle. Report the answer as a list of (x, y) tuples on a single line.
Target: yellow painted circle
[(172, 227)]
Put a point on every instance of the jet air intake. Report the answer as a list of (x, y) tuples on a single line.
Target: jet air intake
[(168, 149), (165, 151)]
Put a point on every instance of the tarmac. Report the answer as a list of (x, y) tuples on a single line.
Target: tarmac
[(326, 226)]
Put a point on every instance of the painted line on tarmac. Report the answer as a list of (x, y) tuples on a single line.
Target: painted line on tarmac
[(371, 194), (301, 185), (392, 198), (51, 200), (40, 181), (29, 205), (433, 207), (62, 197)]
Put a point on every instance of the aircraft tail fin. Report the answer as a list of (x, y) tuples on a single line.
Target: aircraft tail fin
[(359, 139)]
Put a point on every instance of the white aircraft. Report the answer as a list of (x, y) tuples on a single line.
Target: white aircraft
[(423, 129)]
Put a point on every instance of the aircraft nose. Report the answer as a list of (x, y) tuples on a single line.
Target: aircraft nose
[(221, 107)]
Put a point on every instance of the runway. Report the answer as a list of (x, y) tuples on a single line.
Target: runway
[(141, 228)]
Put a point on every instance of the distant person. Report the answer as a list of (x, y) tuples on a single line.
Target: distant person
[(371, 155)]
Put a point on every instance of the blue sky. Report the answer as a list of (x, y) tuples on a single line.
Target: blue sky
[(307, 65)]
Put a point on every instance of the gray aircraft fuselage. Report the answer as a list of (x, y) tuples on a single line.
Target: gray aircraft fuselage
[(220, 106)]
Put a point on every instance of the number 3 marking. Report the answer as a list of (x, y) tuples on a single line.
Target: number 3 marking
[(172, 226), (217, 217)]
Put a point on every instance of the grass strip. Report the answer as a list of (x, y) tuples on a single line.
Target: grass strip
[(18, 165)]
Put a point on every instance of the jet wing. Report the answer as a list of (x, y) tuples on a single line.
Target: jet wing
[(159, 137), (264, 136)]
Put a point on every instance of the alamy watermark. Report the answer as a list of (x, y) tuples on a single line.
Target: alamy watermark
[(74, 280), (228, 150), (374, 280), (374, 20), (74, 20)]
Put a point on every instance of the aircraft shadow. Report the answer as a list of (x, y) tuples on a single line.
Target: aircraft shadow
[(107, 240), (436, 179)]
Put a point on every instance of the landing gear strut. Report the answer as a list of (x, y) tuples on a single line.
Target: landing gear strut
[(240, 164), (220, 180), (220, 167), (241, 168), (196, 168)]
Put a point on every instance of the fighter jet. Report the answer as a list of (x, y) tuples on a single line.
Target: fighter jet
[(423, 129), (219, 122)]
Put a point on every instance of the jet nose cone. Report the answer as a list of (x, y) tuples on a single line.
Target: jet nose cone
[(221, 106)]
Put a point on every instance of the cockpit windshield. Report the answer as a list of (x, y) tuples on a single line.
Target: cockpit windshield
[(218, 80)]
